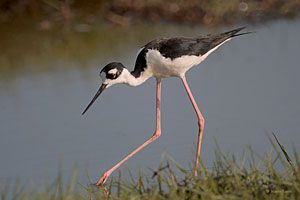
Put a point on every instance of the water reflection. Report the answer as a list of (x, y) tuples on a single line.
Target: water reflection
[(248, 87)]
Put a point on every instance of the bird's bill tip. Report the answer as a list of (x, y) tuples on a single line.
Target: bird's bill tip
[(100, 90)]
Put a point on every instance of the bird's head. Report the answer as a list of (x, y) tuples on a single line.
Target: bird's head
[(111, 74)]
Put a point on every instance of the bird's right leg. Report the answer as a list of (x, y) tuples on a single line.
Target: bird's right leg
[(156, 134), (200, 122)]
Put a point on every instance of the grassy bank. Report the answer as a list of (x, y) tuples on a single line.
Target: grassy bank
[(254, 177), (80, 15)]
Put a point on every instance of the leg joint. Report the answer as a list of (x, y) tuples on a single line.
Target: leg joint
[(156, 134), (201, 122)]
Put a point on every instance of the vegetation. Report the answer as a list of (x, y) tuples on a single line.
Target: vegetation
[(80, 15), (227, 179)]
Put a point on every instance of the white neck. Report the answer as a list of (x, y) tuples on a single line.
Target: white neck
[(133, 81)]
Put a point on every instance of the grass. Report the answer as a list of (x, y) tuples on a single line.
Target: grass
[(253, 178)]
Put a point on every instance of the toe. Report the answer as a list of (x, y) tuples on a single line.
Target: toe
[(102, 180)]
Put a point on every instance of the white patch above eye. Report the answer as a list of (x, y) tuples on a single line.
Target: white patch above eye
[(112, 71)]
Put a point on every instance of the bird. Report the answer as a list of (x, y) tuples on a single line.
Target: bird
[(162, 58)]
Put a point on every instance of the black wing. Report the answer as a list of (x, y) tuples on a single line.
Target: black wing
[(178, 46)]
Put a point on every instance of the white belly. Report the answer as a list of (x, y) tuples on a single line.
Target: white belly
[(162, 67)]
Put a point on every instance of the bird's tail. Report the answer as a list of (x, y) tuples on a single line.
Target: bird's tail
[(234, 32)]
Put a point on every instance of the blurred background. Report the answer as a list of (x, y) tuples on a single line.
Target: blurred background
[(51, 55)]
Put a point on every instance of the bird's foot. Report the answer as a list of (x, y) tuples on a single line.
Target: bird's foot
[(100, 184), (102, 180), (195, 172)]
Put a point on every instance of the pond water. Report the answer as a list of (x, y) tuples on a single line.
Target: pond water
[(246, 89)]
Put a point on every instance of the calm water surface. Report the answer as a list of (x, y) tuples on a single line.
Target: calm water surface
[(248, 88)]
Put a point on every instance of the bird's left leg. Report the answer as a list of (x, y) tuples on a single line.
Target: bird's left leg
[(200, 122), (156, 135)]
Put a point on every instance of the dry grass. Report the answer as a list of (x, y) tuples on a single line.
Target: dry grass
[(254, 178)]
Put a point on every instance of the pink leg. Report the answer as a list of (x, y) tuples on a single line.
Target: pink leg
[(156, 134), (200, 122)]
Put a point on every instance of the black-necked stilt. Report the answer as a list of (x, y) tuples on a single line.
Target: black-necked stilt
[(162, 58)]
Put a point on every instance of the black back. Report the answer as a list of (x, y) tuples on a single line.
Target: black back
[(178, 46)]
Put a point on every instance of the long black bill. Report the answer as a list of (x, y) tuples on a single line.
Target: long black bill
[(101, 89)]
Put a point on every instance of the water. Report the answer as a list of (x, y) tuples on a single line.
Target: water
[(247, 89)]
